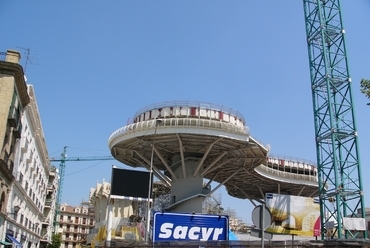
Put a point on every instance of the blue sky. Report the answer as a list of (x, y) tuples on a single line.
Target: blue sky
[(93, 64)]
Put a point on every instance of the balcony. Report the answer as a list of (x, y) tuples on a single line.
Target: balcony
[(32, 167), (17, 131), (44, 232), (53, 171), (71, 230), (6, 165), (46, 220), (29, 158), (24, 146), (66, 221), (13, 117), (48, 202)]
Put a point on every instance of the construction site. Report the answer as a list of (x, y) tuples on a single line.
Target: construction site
[(190, 145), (178, 154)]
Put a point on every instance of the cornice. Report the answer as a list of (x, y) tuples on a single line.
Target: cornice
[(16, 70)]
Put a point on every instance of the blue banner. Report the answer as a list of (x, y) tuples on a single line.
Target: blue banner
[(187, 227)]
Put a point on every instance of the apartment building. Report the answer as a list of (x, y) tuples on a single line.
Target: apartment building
[(13, 100), (35, 187), (75, 223), (28, 183)]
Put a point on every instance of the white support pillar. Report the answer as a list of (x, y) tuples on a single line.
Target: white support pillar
[(109, 222)]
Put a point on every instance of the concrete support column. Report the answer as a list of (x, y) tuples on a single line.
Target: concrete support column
[(189, 190), (109, 222)]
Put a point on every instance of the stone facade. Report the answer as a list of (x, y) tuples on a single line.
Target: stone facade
[(28, 185), (13, 100)]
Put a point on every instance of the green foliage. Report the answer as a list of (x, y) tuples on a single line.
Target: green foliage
[(56, 240), (365, 88)]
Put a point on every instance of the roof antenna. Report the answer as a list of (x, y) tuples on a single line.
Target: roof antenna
[(29, 59)]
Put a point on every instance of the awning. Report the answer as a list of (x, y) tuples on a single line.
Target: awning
[(3, 242), (14, 241)]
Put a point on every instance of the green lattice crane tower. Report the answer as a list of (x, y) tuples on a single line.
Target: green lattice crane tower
[(62, 167), (338, 159)]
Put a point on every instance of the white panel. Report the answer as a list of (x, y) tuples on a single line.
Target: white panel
[(358, 224), (203, 112), (232, 120), (176, 111), (166, 111), (184, 111)]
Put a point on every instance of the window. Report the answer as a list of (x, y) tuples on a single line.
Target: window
[(2, 201), (21, 220)]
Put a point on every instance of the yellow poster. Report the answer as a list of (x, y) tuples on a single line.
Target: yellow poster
[(293, 215)]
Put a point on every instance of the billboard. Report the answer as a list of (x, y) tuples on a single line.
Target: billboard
[(129, 183), (190, 227), (293, 215)]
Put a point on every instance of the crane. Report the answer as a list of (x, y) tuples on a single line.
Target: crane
[(62, 166), (341, 194)]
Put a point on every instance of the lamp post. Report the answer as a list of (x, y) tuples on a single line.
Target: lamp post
[(157, 122), (16, 210)]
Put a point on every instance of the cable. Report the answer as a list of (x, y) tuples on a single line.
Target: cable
[(82, 169)]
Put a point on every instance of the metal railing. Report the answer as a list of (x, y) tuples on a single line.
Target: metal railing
[(294, 159), (287, 175), (180, 122)]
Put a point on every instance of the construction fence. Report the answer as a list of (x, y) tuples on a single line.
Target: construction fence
[(241, 244)]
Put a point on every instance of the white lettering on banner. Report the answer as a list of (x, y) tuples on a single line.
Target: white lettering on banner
[(180, 232)]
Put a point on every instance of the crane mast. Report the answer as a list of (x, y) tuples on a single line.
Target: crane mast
[(339, 171), (62, 166)]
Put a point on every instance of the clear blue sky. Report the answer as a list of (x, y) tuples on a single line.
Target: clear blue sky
[(95, 63)]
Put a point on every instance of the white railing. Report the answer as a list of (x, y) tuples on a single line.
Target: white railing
[(287, 175), (180, 122)]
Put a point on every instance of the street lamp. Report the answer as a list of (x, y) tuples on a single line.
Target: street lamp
[(16, 210), (157, 123)]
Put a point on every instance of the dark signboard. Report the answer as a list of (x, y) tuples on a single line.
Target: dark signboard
[(129, 183)]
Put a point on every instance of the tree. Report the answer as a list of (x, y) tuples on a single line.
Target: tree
[(365, 88), (56, 240)]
